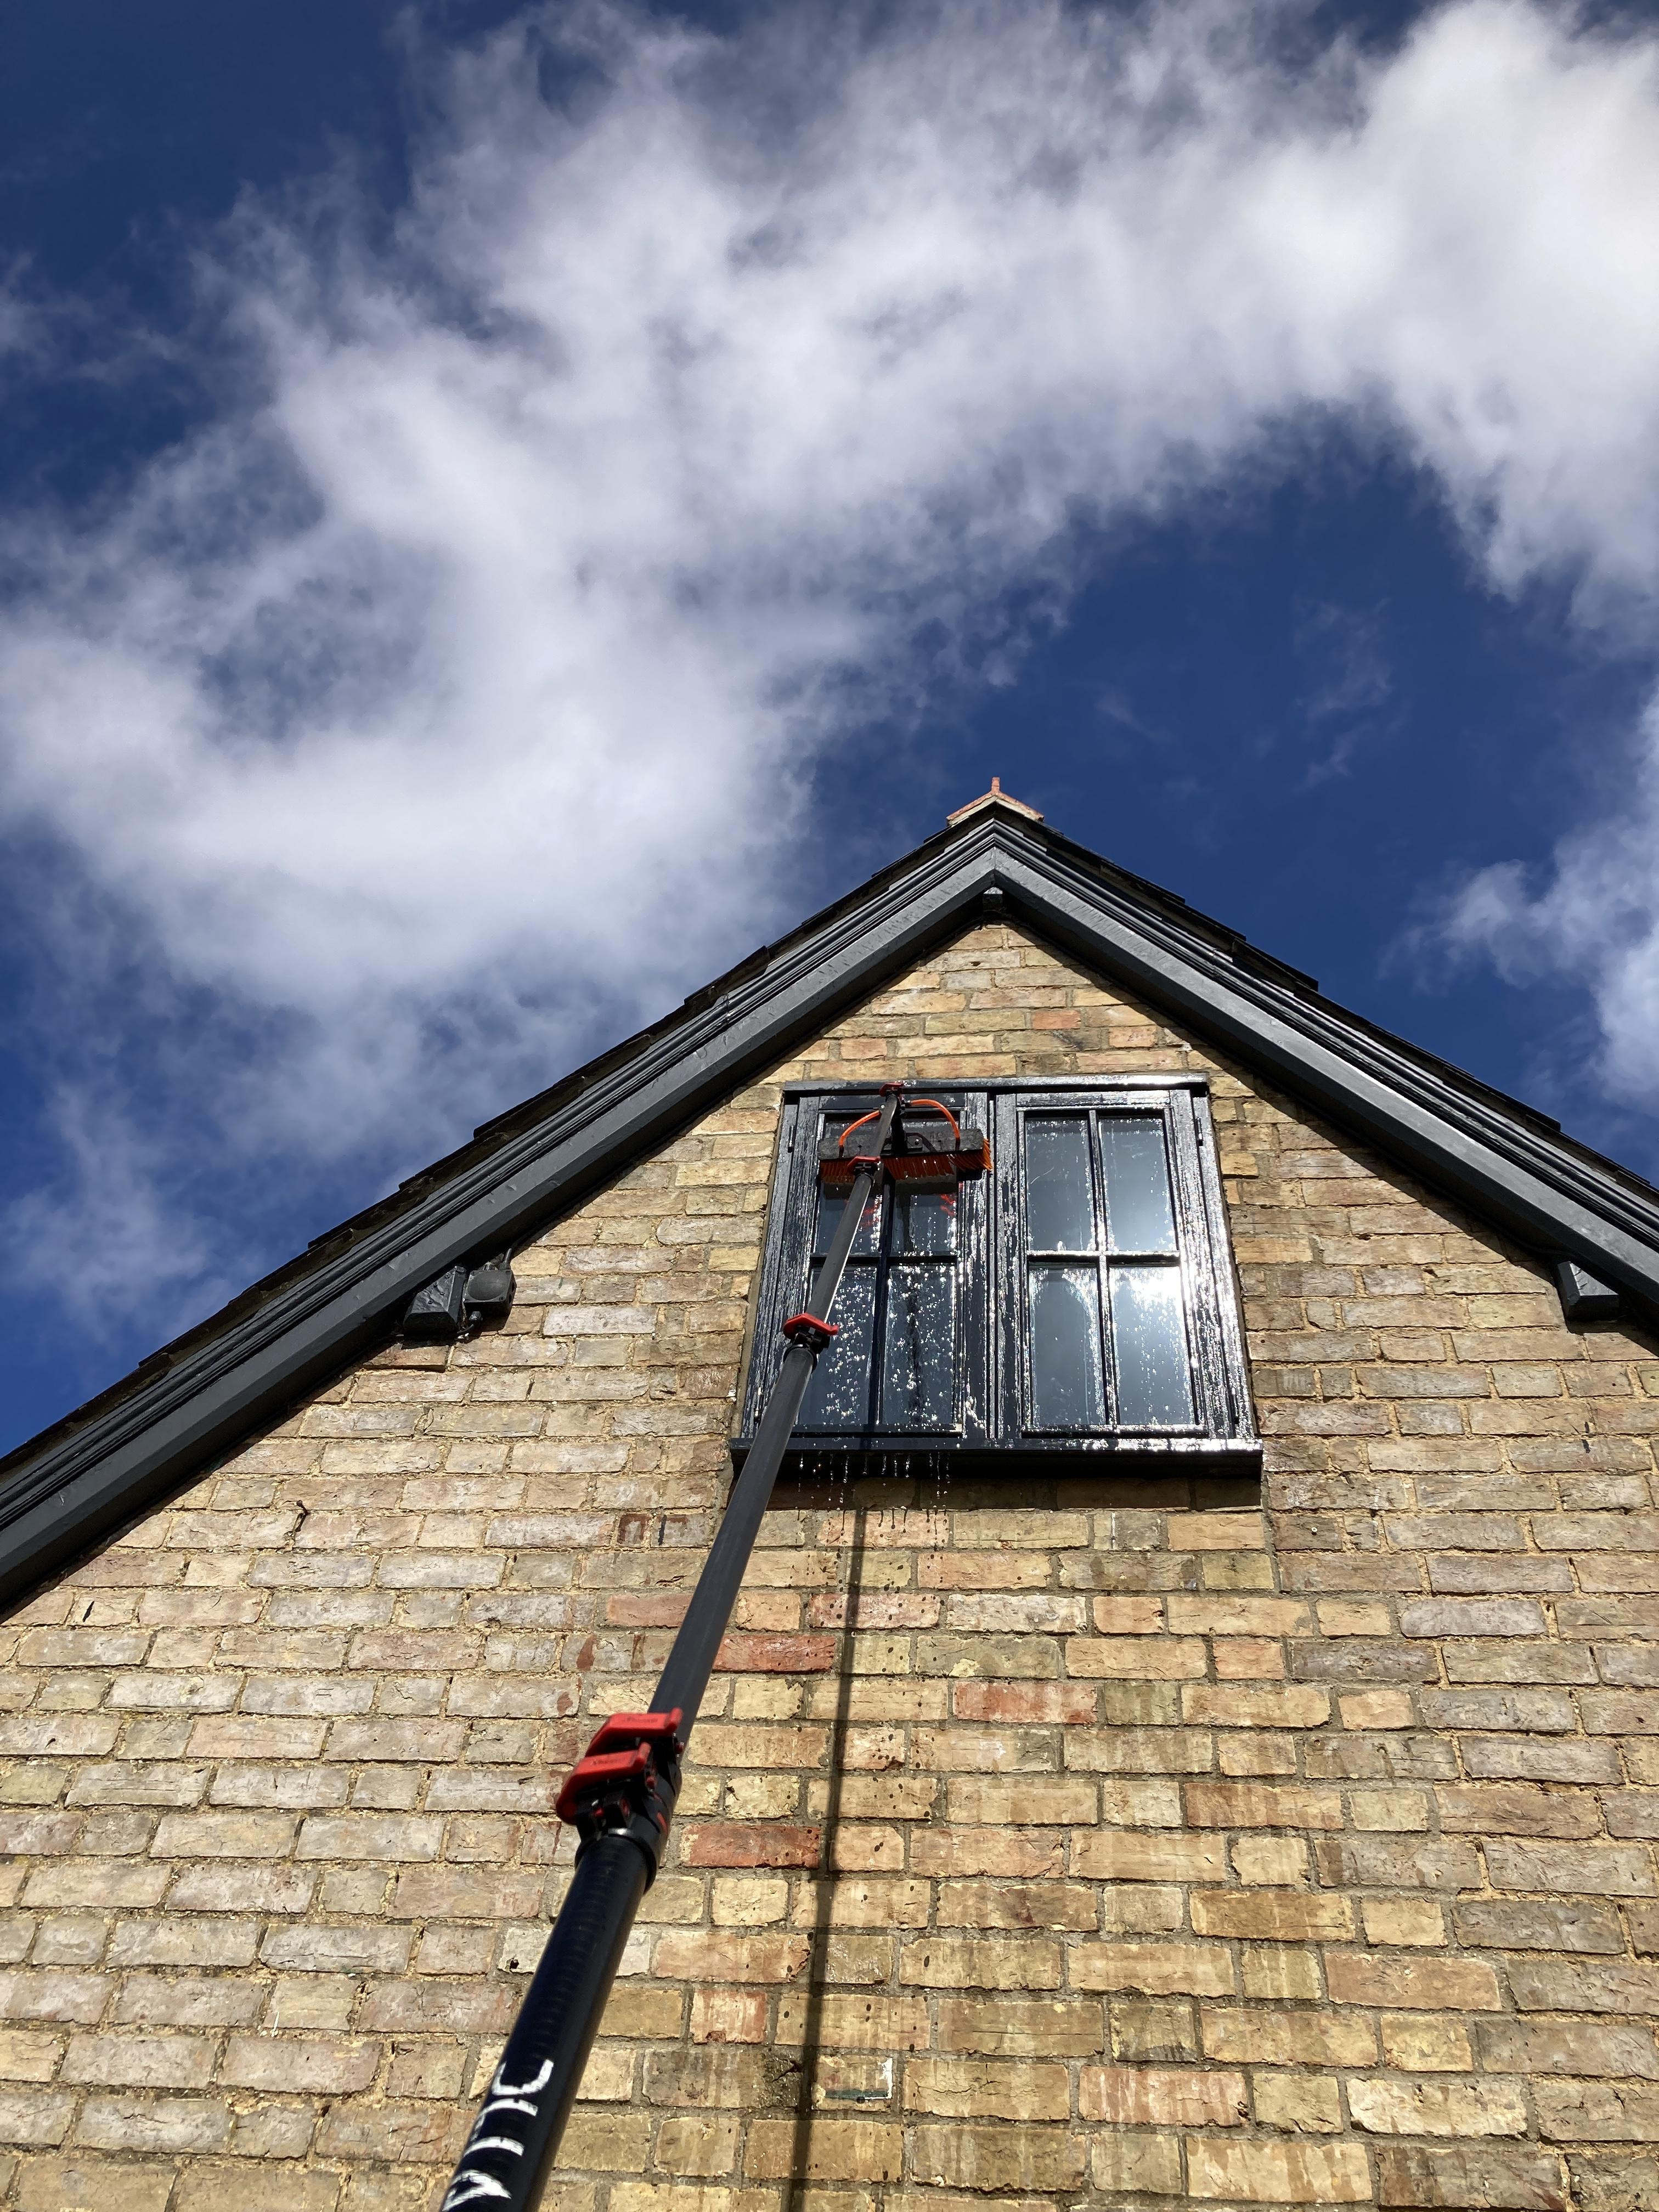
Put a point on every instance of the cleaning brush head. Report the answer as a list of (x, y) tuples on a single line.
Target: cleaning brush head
[(930, 1153)]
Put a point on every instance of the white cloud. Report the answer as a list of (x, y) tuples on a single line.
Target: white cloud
[(111, 1227), (1594, 918), (446, 696), (1349, 682)]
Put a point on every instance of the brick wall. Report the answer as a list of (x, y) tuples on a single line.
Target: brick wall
[(1106, 1840)]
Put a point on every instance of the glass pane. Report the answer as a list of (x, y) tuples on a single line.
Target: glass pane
[(838, 1395), (832, 1204), (1139, 1215), (1149, 1337), (1067, 1389), (1060, 1212), (919, 1366), (924, 1222)]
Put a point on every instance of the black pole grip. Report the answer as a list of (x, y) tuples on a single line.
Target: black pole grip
[(523, 2115)]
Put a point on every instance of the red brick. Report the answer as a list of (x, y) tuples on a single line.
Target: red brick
[(729, 2015), (1162, 2097), (646, 1608), (1471, 2180), (775, 1655), (715, 1956), (1411, 1983), (749, 1843), (1261, 1805), (1028, 1702)]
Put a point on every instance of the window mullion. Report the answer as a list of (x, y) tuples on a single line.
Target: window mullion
[(1198, 1268), (1103, 1264), (883, 1264)]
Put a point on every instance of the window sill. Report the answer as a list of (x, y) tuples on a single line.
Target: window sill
[(1031, 1458)]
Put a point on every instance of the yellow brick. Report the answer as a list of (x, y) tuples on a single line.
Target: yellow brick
[(1292, 2038), (837, 2150), (1418, 2043), (1111, 1854), (998, 2159), (986, 2088), (1277, 2173), (1268, 1971), (941, 1962), (1199, 1969), (597, 2140), (1375, 1709), (1280, 1861), (1162, 2097), (1136, 2163), (1272, 1916), (1304, 2104), (1403, 1920), (1437, 2108), (1338, 1617)]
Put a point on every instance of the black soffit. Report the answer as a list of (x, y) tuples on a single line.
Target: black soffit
[(102, 1466)]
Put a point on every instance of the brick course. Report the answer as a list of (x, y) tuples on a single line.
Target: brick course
[(1117, 1836)]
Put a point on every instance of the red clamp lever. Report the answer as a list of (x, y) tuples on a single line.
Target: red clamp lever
[(618, 1769), (807, 1328)]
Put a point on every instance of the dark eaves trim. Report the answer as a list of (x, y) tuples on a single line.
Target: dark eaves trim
[(96, 1472)]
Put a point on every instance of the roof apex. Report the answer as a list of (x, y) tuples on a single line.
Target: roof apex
[(995, 798)]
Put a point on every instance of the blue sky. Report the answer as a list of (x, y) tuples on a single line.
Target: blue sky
[(502, 510)]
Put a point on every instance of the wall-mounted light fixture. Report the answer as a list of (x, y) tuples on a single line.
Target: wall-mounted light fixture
[(1584, 1296), (453, 1303), (489, 1289)]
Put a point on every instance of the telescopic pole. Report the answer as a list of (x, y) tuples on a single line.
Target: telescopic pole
[(620, 1796)]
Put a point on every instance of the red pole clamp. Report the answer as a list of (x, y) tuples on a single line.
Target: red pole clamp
[(808, 1328), (619, 1766)]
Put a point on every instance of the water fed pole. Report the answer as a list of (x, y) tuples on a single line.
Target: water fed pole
[(620, 1796)]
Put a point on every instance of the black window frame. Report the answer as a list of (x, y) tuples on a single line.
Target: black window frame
[(995, 1431)]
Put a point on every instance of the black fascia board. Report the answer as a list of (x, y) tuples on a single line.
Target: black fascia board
[(97, 1472)]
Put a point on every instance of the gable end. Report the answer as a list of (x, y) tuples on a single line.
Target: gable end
[(102, 1466)]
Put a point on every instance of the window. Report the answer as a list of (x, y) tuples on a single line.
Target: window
[(1079, 1298)]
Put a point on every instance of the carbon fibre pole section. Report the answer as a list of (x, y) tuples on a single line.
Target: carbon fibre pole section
[(530, 2096), (620, 1795)]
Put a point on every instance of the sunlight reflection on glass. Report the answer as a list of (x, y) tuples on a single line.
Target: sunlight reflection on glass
[(1149, 1337), (1060, 1208), (1139, 1215)]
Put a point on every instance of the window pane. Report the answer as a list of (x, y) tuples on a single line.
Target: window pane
[(1149, 1337), (1139, 1215), (1067, 1391), (924, 1222), (831, 1205), (838, 1395), (918, 1365), (1059, 1212)]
